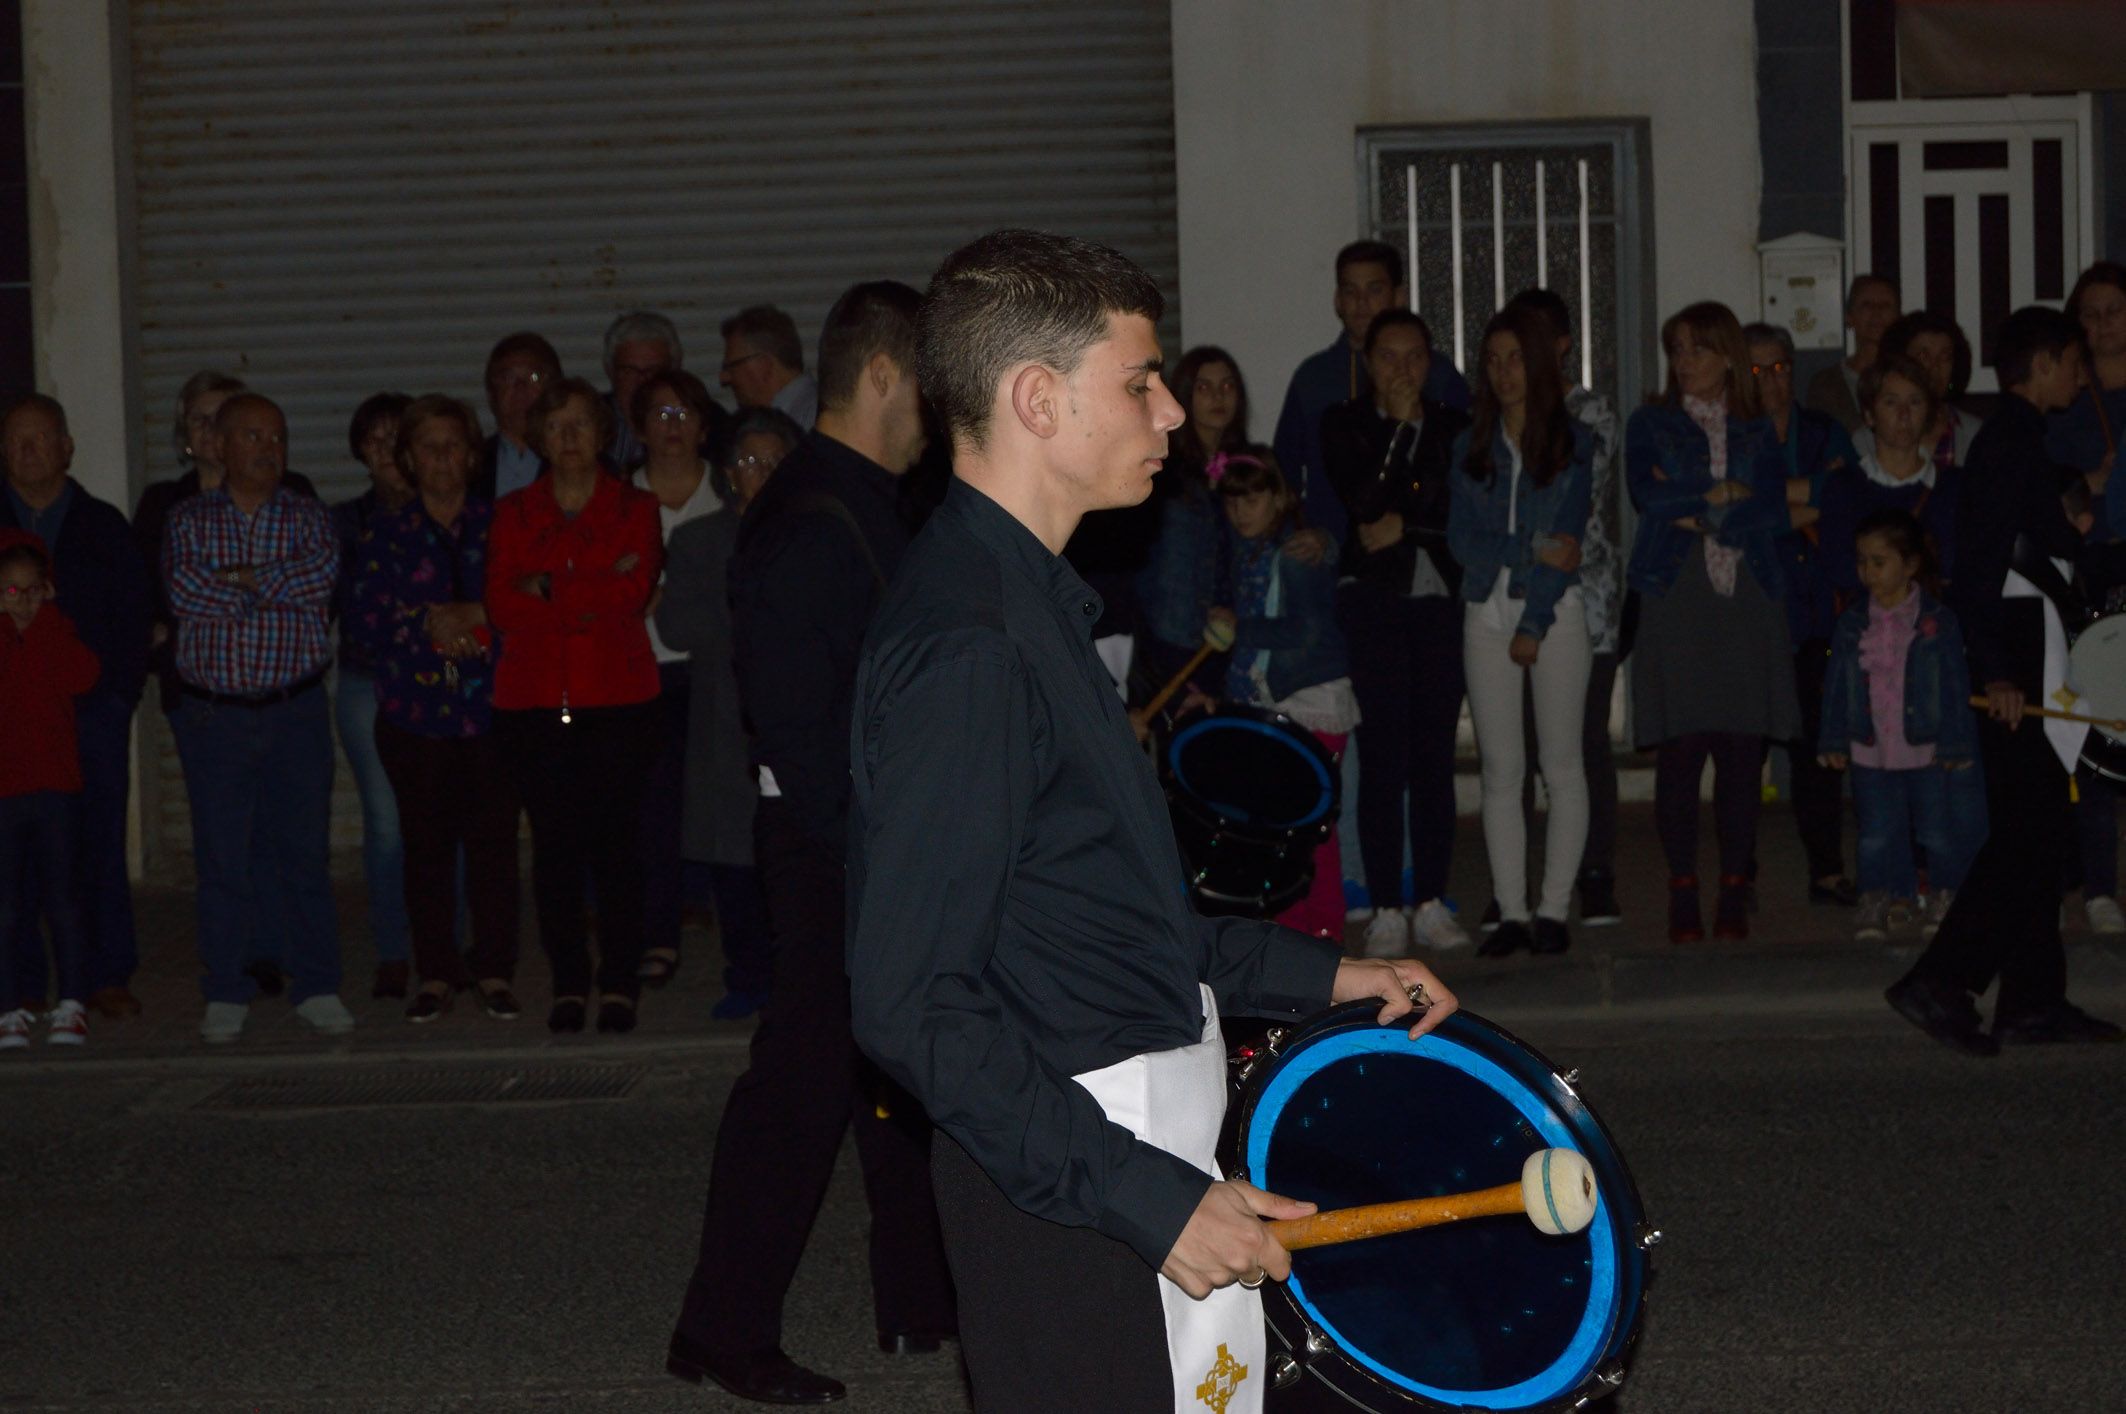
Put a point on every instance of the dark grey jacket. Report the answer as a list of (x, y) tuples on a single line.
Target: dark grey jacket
[(695, 617)]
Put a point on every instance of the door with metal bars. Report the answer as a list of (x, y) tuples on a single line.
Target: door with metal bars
[(1976, 207)]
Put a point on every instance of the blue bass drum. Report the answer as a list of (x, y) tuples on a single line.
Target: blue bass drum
[(1484, 1314), (1252, 793)]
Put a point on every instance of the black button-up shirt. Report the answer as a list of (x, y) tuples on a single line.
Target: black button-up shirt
[(1019, 912), (803, 583), (2011, 488)]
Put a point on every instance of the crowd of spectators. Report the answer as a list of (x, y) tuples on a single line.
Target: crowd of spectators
[(546, 617)]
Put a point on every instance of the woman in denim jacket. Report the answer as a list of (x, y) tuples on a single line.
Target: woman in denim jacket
[(1182, 565), (1712, 673), (1897, 709), (1520, 491)]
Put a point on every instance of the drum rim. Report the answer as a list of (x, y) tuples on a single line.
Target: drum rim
[(1241, 716), (1630, 1278), (2102, 751)]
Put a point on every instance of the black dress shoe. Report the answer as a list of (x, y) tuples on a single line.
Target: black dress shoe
[(911, 1342), (1943, 1012), (1511, 937), (567, 1016), (427, 1006), (1839, 893), (1490, 921), (2064, 1024), (267, 976), (500, 1002), (616, 1017), (766, 1376), (1550, 935)]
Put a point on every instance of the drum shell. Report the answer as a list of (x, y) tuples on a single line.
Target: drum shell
[(1329, 1376), (1246, 852), (2098, 661)]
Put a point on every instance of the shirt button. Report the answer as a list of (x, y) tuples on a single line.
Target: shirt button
[(1089, 610)]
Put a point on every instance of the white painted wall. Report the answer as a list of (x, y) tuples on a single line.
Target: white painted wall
[(79, 180), (1269, 95)]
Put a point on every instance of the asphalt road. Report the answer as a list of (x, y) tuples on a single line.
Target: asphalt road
[(1856, 1220)]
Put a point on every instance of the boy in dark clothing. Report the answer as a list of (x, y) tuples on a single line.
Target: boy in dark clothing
[(43, 668), (2012, 533)]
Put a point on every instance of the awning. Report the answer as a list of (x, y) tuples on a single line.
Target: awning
[(1968, 48)]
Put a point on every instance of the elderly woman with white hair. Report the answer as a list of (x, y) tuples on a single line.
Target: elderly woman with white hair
[(639, 345)]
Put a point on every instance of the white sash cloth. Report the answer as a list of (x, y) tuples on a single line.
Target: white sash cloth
[(2065, 737), (1175, 1100)]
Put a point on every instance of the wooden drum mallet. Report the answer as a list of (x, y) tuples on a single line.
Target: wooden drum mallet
[(1556, 1191)]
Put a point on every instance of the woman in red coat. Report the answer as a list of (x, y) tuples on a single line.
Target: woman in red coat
[(572, 562)]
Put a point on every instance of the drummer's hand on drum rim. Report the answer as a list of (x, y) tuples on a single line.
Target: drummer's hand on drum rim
[(1226, 1242), (1404, 983)]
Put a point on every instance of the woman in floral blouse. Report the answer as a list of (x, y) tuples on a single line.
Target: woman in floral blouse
[(420, 579)]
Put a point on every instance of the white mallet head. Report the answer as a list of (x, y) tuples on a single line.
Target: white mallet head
[(1558, 1187)]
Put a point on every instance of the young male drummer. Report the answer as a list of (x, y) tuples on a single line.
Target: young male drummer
[(2013, 540), (1023, 955)]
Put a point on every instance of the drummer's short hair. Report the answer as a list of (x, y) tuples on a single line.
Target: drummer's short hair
[(2030, 331), (1016, 297)]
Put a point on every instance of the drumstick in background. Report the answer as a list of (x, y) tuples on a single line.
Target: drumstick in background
[(1212, 635), (1556, 1191), (2110, 723)]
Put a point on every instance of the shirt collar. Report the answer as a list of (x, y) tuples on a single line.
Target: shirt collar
[(1907, 612), (1018, 547), (26, 514), (1872, 469)]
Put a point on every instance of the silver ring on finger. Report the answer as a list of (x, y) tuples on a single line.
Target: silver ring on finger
[(1251, 1282), (1418, 996)]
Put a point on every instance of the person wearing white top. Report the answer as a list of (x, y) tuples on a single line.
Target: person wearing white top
[(671, 411), (1520, 488)]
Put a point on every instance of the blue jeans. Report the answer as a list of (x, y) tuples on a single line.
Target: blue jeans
[(383, 853), (259, 780), (1944, 810), (38, 832)]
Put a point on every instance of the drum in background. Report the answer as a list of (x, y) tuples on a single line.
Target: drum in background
[(1486, 1313), (2096, 665), (1252, 794)]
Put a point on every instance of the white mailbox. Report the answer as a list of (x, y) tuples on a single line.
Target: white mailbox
[(1804, 289)]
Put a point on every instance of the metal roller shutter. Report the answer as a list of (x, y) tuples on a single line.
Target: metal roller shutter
[(338, 196)]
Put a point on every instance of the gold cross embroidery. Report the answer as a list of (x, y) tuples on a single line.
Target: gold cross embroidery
[(1222, 1382)]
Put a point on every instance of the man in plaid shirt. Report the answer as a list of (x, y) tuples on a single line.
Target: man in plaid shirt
[(250, 568)]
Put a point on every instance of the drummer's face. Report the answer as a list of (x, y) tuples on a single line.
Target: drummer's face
[(1117, 418)]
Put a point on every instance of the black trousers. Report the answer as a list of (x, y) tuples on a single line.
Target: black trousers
[(1406, 666), (582, 785), (664, 811), (456, 793), (1738, 767), (2005, 921), (1052, 1317), (806, 1084), (1819, 793)]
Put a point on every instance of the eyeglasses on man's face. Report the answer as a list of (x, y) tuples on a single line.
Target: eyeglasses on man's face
[(1758, 370), (21, 593), (743, 359)]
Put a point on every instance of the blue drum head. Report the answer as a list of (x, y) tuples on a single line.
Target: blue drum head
[(1484, 1314)]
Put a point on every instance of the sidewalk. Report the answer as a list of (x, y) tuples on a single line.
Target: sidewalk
[(1800, 960)]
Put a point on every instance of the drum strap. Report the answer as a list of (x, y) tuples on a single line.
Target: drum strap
[(2037, 567), (1175, 1100)]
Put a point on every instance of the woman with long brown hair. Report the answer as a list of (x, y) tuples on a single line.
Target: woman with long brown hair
[(1522, 487), (1712, 674)]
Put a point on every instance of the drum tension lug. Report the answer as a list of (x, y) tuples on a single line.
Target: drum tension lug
[(1284, 1371), (1316, 1344), (1649, 1237), (1571, 1077), (1274, 1039), (1607, 1381)]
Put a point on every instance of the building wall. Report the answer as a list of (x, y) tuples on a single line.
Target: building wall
[(1269, 96)]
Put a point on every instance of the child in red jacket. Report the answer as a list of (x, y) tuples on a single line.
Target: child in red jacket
[(43, 667)]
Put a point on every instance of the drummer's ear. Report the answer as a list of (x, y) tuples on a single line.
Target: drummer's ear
[(1035, 392)]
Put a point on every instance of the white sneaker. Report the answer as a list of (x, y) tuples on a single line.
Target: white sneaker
[(2105, 915), (1433, 926), (327, 1014), (1871, 920), (223, 1023), (1388, 935), (14, 1030), (70, 1025), (1932, 910)]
